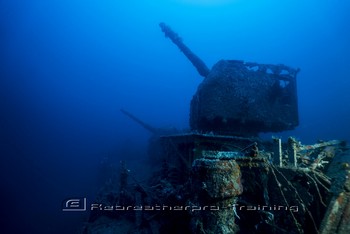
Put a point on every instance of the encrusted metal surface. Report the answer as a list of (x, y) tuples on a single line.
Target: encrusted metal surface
[(246, 98)]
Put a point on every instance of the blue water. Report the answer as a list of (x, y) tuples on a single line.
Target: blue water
[(68, 66)]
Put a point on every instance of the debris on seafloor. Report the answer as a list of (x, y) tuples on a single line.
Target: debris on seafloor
[(220, 178)]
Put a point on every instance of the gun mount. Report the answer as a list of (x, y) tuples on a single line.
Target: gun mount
[(241, 98)]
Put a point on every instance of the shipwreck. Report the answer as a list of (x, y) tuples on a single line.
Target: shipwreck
[(220, 177)]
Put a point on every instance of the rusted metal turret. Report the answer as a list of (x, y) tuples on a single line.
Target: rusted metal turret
[(241, 98)]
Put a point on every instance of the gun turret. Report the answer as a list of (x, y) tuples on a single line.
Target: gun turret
[(241, 98)]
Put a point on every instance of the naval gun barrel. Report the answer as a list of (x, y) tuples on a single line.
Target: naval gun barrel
[(202, 69), (137, 120)]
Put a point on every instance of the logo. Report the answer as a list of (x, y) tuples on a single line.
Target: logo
[(80, 204), (74, 204)]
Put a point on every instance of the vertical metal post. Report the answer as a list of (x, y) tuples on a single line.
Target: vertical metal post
[(292, 152), (277, 151)]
